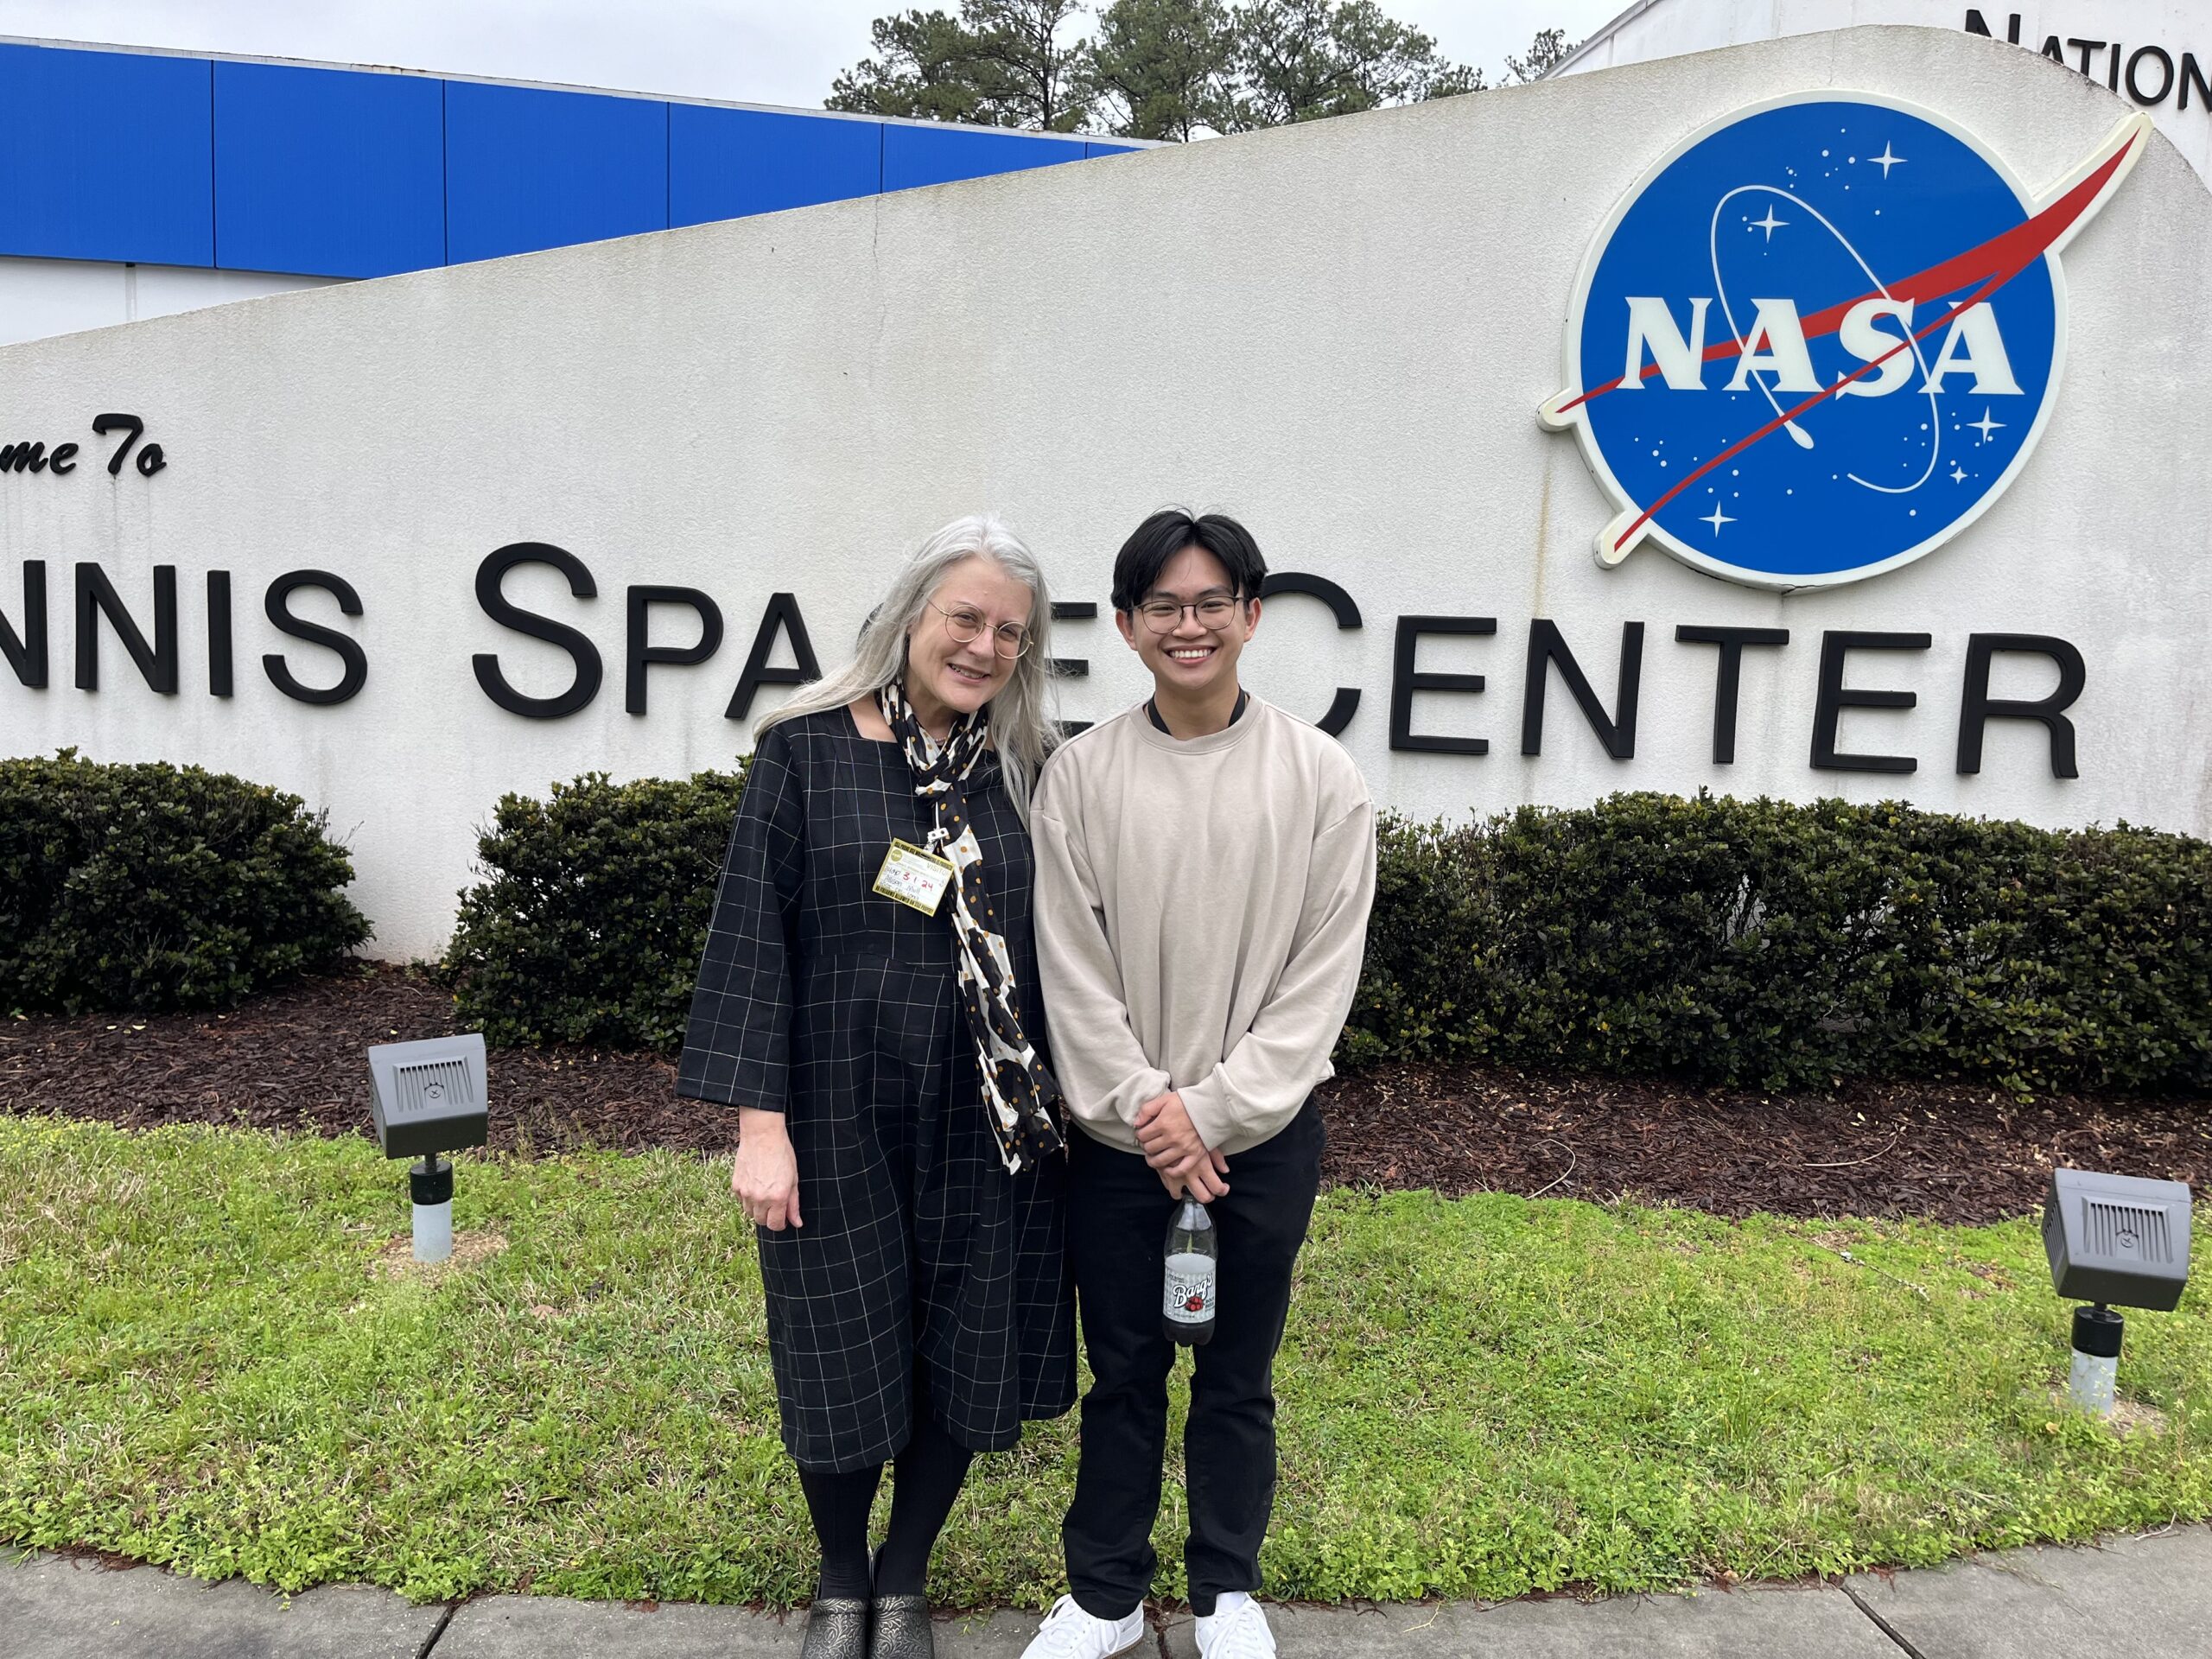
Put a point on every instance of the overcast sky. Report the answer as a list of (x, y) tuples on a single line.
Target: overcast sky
[(745, 51)]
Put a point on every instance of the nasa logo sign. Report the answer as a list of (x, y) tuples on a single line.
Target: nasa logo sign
[(1821, 337)]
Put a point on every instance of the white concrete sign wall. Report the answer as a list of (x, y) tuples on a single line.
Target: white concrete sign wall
[(1342, 332), (2156, 53)]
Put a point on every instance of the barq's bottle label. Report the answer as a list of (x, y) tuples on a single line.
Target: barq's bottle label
[(1189, 1294)]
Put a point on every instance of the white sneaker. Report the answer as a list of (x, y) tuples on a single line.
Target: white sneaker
[(1237, 1628), (1068, 1632)]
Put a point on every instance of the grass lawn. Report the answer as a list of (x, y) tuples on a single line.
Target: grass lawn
[(201, 1365)]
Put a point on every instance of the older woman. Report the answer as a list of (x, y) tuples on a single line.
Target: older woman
[(868, 1003)]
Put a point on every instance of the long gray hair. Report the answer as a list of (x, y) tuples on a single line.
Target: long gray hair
[(1021, 723)]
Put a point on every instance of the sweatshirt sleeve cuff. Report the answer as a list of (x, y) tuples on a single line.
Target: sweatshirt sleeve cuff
[(1211, 1112), (1131, 1098)]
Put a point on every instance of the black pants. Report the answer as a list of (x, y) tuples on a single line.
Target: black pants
[(1117, 1231)]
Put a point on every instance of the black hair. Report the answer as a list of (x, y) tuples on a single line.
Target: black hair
[(1167, 532)]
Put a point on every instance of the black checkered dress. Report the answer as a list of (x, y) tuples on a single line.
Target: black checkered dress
[(821, 1000)]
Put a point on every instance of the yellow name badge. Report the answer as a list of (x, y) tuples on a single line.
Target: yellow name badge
[(914, 877)]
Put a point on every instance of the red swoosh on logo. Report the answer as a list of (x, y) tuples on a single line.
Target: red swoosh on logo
[(2008, 253)]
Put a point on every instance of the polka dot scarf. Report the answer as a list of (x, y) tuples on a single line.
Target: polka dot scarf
[(1023, 1101)]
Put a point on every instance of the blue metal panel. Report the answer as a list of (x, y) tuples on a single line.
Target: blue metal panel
[(725, 163), (1107, 150), (328, 172), (530, 169), (105, 155), (919, 155)]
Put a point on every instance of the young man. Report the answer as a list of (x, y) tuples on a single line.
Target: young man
[(1205, 867)]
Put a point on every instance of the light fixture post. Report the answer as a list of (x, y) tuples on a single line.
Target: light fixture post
[(430, 1184), (2095, 1373)]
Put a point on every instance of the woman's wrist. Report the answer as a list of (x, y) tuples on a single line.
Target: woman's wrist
[(755, 1122)]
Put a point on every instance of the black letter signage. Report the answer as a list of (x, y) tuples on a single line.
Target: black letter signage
[(219, 634), (1548, 645), (782, 612), (1071, 668), (1834, 699), (1730, 674), (1406, 679), (26, 653), (507, 614), (96, 595), (642, 655), (349, 653), (1978, 707), (150, 458), (1346, 703), (30, 456)]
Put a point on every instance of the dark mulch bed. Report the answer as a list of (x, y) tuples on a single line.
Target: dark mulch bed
[(292, 1059), (295, 1058), (1954, 1153)]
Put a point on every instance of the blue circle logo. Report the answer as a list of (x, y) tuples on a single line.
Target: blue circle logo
[(1819, 337)]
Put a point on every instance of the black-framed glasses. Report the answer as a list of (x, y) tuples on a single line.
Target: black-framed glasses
[(964, 626), (1165, 615)]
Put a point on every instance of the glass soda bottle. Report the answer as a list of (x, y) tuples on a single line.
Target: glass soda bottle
[(1194, 1258)]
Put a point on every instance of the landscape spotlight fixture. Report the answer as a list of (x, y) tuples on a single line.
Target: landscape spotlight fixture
[(427, 1098), (2112, 1239)]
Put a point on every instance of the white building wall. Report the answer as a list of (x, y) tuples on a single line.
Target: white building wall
[(1341, 332), (2086, 32), (40, 297)]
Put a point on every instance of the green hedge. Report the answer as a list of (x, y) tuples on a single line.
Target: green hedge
[(1749, 943), (589, 923), (154, 887), (1765, 944)]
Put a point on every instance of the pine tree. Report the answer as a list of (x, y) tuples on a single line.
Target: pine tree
[(1161, 69)]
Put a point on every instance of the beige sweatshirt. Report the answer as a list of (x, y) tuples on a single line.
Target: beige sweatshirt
[(1201, 912)]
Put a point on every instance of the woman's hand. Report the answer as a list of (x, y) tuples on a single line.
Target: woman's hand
[(765, 1173)]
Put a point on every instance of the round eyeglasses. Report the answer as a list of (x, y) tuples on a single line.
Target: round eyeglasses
[(964, 626), (1165, 615)]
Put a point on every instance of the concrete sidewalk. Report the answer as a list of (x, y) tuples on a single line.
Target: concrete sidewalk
[(2149, 1596)]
